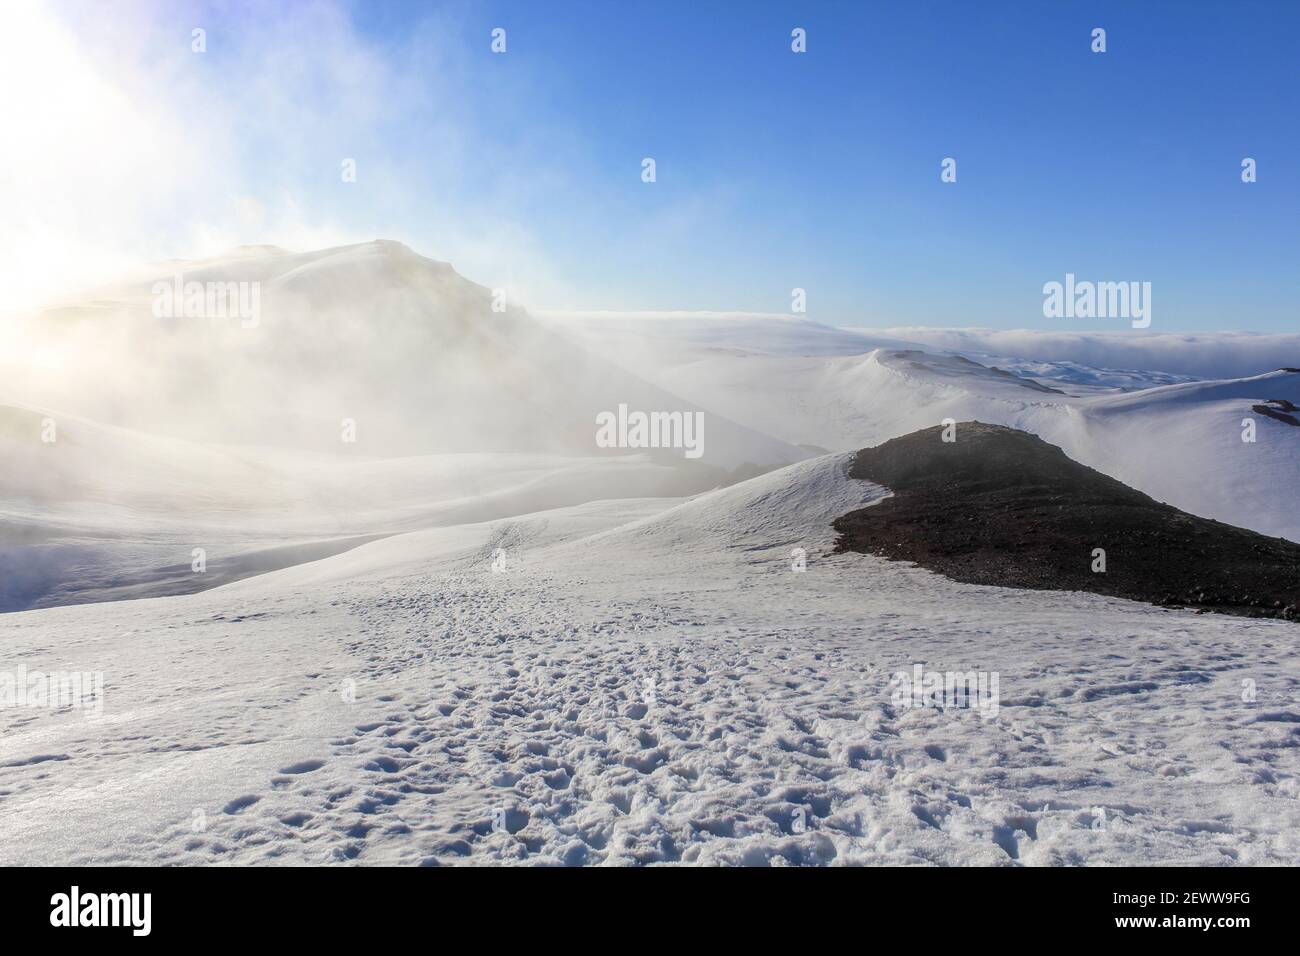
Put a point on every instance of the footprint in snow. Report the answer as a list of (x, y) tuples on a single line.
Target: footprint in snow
[(303, 766), (240, 804)]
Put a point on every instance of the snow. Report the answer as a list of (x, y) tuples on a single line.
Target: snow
[(412, 353), (473, 639), (107, 512), (1224, 354), (1152, 438), (649, 682)]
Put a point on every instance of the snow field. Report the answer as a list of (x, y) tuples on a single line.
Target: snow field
[(650, 682)]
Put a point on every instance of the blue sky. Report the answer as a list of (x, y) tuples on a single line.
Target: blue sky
[(775, 169)]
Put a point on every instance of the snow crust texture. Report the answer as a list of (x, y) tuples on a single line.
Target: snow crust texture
[(650, 682)]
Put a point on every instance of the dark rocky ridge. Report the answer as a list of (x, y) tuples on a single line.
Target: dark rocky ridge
[(1003, 507), (1278, 408)]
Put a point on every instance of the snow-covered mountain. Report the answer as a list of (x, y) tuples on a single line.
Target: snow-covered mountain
[(416, 356), (216, 436), (1181, 443), (367, 391), (474, 635)]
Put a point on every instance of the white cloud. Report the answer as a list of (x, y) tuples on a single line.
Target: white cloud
[(1199, 354)]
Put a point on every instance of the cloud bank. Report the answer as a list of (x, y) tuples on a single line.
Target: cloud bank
[(1198, 354)]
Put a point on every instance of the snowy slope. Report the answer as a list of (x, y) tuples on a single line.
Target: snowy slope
[(1184, 443), (105, 513), (649, 682), (378, 391), (1179, 442)]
